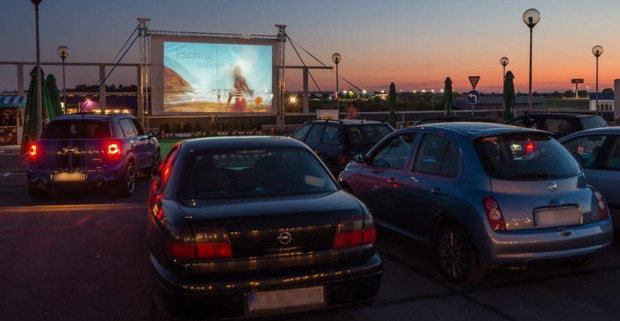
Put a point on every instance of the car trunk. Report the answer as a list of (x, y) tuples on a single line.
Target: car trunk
[(276, 233), (537, 204), (71, 155)]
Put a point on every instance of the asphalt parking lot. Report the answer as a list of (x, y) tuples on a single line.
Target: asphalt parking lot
[(82, 256)]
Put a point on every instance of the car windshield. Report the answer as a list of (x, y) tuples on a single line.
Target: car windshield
[(525, 157), (72, 129), (367, 135), (255, 172), (593, 122)]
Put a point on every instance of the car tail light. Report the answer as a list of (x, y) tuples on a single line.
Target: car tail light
[(494, 214), (113, 151), (529, 148), (344, 159), (602, 206), (210, 243), (33, 150), (355, 232)]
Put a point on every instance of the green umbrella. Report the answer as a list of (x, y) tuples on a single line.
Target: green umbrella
[(392, 101), (50, 82), (30, 122), (509, 96), (447, 96)]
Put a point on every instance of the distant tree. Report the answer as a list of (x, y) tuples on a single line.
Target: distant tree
[(569, 93), (607, 91), (582, 93)]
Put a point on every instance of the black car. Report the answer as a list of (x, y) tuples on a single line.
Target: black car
[(254, 226), (558, 124), (338, 141)]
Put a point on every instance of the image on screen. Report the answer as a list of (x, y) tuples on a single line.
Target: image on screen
[(217, 78)]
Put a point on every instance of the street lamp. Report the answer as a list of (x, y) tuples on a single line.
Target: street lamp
[(597, 51), (336, 57), (531, 17), (63, 53), (39, 118), (504, 62)]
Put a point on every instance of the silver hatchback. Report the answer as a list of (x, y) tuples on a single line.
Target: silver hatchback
[(486, 195)]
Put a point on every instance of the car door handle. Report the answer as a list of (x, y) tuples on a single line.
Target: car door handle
[(437, 191), (393, 181)]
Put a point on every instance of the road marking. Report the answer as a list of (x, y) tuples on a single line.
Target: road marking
[(71, 208)]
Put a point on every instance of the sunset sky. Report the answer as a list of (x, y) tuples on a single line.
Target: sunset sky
[(414, 44)]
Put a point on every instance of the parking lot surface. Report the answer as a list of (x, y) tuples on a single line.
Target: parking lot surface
[(82, 256)]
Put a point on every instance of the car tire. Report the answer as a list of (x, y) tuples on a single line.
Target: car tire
[(127, 183), (457, 258), (38, 193), (156, 163)]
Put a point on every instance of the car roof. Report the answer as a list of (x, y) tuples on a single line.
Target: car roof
[(613, 130), (477, 129), (241, 142), (348, 121), (91, 117), (547, 115)]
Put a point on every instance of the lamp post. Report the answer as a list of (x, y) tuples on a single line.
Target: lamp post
[(63, 53), (39, 121), (504, 62), (531, 17), (336, 57), (597, 51)]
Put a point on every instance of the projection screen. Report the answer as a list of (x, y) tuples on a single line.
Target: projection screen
[(202, 75)]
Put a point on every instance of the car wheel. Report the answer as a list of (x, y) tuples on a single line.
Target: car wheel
[(127, 184), (457, 257), (38, 192), (156, 163)]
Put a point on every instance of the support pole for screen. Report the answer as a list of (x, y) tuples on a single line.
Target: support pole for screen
[(281, 75)]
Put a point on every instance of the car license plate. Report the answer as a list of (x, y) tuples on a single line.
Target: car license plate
[(68, 177), (561, 216), (300, 299)]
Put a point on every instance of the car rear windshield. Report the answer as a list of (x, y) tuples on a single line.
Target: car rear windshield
[(367, 135), (255, 172), (593, 122), (525, 157), (75, 129)]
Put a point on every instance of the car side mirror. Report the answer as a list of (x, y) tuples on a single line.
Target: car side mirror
[(151, 134), (360, 158)]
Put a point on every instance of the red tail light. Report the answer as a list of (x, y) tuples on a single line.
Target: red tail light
[(529, 148), (602, 206), (113, 151), (494, 214), (33, 150), (344, 159), (212, 243), (355, 232)]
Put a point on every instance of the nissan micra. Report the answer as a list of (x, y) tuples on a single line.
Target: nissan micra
[(486, 195)]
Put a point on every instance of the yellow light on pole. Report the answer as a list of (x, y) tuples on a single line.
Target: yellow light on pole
[(292, 100)]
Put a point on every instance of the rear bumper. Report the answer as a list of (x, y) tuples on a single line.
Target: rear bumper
[(190, 299), (527, 246), (92, 176)]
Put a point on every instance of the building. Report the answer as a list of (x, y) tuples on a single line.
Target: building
[(605, 101)]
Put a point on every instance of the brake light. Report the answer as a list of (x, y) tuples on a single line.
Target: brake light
[(113, 151), (344, 159), (529, 148), (355, 232), (602, 206), (33, 150), (494, 214), (210, 243)]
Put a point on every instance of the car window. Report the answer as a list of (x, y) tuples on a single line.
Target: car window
[(525, 157), (430, 154), (593, 122), (255, 172), (301, 132), (331, 135), (314, 136), (450, 162), (527, 122), (128, 128), (69, 129), (613, 162), (585, 149), (558, 125), (395, 152), (367, 135), (138, 127)]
